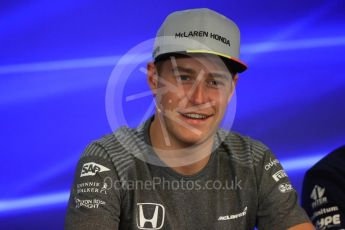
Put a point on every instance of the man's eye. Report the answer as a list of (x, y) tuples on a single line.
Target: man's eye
[(213, 82), (184, 77), (216, 83)]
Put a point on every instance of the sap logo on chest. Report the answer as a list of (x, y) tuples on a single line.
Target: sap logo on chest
[(91, 168)]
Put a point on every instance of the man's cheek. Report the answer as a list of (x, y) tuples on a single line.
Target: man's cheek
[(168, 102)]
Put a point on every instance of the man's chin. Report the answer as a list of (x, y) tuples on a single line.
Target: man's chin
[(191, 139)]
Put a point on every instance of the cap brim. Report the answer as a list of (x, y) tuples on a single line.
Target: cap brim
[(236, 64)]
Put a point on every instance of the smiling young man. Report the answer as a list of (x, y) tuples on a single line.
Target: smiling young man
[(179, 169)]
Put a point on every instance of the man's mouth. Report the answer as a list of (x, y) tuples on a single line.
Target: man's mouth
[(196, 116)]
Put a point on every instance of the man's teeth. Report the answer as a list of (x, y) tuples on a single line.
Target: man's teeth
[(195, 115)]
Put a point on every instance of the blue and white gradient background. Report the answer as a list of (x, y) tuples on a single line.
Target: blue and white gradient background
[(56, 58)]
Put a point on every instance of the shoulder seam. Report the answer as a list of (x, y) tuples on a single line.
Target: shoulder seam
[(244, 149)]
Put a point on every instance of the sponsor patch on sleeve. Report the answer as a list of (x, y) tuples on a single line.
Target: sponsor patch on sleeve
[(91, 168), (279, 175), (285, 187), (88, 203)]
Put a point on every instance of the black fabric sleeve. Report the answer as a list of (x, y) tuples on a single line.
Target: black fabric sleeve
[(95, 199), (323, 196), (278, 201)]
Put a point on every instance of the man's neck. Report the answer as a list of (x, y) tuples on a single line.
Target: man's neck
[(186, 161)]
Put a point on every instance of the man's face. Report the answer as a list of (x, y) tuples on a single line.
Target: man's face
[(192, 94)]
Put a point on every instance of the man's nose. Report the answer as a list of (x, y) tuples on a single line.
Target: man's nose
[(196, 95)]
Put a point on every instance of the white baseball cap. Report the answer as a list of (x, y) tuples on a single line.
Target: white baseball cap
[(200, 31)]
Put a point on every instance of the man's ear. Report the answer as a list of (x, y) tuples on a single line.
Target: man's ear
[(235, 79), (233, 86), (152, 77)]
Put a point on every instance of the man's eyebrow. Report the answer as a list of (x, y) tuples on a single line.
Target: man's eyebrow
[(215, 74), (220, 74), (183, 69)]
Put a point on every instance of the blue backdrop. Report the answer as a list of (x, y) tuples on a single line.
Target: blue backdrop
[(57, 56)]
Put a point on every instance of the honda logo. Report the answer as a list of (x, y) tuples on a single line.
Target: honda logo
[(150, 216)]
